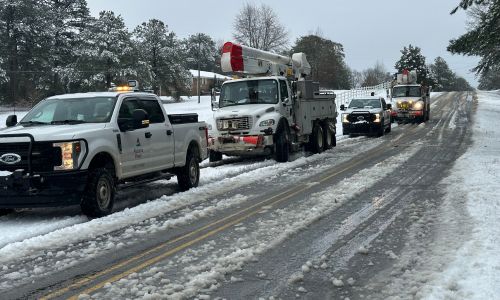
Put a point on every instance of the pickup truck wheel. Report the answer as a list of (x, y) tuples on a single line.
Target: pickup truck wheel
[(381, 128), (99, 194), (214, 156), (317, 140), (282, 153), (188, 176), (5, 211), (389, 128)]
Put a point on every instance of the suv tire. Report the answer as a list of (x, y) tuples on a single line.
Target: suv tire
[(99, 195)]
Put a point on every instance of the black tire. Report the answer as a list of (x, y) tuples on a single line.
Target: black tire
[(381, 129), (428, 115), (389, 128), (328, 137), (5, 211), (188, 176), (214, 156), (282, 145), (99, 195), (316, 142)]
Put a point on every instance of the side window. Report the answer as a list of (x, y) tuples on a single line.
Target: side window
[(127, 107), (283, 89), (152, 107)]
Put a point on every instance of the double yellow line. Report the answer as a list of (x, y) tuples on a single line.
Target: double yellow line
[(197, 235)]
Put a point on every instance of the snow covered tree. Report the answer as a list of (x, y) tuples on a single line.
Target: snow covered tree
[(490, 80), (160, 58), (259, 27), (442, 74), (412, 59), (106, 55), (200, 48), (483, 37), (327, 61), (376, 75)]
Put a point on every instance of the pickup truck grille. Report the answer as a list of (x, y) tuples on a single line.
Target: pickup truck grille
[(243, 123), (44, 156), (359, 117)]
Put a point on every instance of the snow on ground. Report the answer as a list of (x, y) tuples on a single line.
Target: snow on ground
[(474, 268)]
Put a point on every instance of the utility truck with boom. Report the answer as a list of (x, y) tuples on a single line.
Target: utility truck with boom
[(411, 100), (274, 110)]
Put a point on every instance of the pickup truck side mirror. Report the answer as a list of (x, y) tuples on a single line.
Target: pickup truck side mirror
[(286, 101), (11, 121), (389, 106), (215, 105), (342, 107)]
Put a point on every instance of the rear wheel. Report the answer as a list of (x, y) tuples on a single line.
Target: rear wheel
[(99, 194), (389, 128), (316, 143), (329, 137), (214, 156), (188, 176), (5, 211), (381, 129), (282, 150)]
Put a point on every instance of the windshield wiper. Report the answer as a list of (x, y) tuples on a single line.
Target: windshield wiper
[(64, 122), (33, 123)]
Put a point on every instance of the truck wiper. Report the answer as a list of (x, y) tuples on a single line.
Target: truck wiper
[(64, 122), (33, 123)]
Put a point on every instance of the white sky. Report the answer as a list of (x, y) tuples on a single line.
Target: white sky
[(369, 30)]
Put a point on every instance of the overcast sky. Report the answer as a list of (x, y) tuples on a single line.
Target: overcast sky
[(370, 30)]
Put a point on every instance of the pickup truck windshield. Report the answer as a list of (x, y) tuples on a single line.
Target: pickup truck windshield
[(249, 92), (364, 103), (71, 111), (406, 91)]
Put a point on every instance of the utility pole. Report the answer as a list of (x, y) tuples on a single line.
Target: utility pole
[(198, 82)]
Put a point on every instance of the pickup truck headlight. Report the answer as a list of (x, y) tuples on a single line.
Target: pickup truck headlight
[(418, 105), (72, 155), (266, 123), (344, 118), (377, 118)]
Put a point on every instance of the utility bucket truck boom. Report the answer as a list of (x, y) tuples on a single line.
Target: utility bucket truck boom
[(274, 110)]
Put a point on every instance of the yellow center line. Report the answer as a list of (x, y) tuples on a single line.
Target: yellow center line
[(273, 200)]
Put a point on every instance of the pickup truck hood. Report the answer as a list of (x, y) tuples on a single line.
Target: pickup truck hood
[(372, 110), (54, 132), (243, 110)]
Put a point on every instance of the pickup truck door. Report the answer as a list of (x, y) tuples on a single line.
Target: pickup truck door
[(135, 147), (160, 135)]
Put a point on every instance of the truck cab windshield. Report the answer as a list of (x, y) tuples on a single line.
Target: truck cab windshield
[(71, 111), (365, 103), (249, 92), (406, 91)]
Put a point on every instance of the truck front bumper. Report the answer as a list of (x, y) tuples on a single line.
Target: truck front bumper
[(361, 128), (42, 190), (407, 115), (241, 144)]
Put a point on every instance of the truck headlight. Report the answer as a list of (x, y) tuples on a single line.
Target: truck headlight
[(266, 123), (344, 118), (418, 105), (72, 155), (377, 118)]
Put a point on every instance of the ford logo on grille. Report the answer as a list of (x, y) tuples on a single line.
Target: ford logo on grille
[(361, 118), (10, 158)]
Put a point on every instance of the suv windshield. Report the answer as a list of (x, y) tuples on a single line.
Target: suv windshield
[(365, 103), (249, 92), (71, 111), (406, 91)]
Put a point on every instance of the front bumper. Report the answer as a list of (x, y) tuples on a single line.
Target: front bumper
[(241, 144), (42, 190), (361, 128), (409, 114)]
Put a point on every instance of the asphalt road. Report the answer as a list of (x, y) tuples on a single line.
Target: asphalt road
[(347, 251)]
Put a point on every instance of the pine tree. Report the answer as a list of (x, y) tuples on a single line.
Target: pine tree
[(412, 59), (442, 75), (490, 80), (160, 58), (327, 61), (483, 37)]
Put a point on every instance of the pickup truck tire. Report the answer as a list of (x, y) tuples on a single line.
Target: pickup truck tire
[(282, 152), (188, 176), (214, 156), (99, 195), (316, 142), (381, 129), (389, 128), (329, 137), (5, 211)]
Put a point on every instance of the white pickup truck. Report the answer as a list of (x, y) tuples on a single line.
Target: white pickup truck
[(80, 148)]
